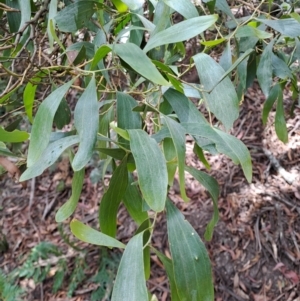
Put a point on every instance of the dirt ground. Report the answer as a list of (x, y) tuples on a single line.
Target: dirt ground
[(255, 250)]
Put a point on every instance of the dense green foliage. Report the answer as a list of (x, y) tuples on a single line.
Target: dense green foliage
[(123, 62)]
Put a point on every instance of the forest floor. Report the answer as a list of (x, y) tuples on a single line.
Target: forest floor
[(255, 250)]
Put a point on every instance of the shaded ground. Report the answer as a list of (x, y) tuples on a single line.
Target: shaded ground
[(255, 250)]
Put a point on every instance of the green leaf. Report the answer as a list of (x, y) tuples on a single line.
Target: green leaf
[(130, 284), (139, 61), (222, 100), (112, 198), (225, 143), (192, 268), (76, 15), (62, 116), (250, 31), (29, 95), (14, 136), (199, 152), (101, 52), (183, 107), (127, 119), (42, 125), (170, 155), (92, 236), (181, 32), (212, 43), (288, 27), (25, 9), (134, 4), (48, 157), (133, 202), (151, 168), (224, 7), (178, 135), (67, 209), (274, 92), (184, 7), (264, 69), (13, 18), (280, 68), (86, 118), (213, 188), (168, 265), (280, 124), (51, 16)]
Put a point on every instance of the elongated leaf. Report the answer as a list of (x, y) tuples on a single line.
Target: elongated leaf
[(183, 107), (133, 202), (225, 143), (48, 157), (199, 152), (75, 15), (274, 92), (62, 116), (281, 69), (191, 263), (86, 119), (264, 69), (184, 7), (42, 125), (25, 9), (29, 95), (13, 18), (139, 61), (67, 209), (99, 55), (222, 100), (171, 158), (168, 265), (181, 32), (280, 124), (52, 14), (224, 7), (213, 188), (130, 284), (226, 57), (249, 31), (14, 136), (4, 151), (92, 236), (112, 198), (178, 135), (288, 27), (151, 168), (127, 119)]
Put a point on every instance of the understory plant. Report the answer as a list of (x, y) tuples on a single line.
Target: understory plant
[(114, 73)]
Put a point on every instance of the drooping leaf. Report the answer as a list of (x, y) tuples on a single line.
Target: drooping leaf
[(14, 136), (288, 27), (133, 202), (171, 158), (250, 31), (191, 263), (274, 92), (222, 100), (29, 95), (151, 168), (13, 18), (225, 143), (264, 69), (51, 16), (92, 236), (130, 284), (199, 152), (120, 6), (25, 9), (213, 188), (226, 57), (75, 15), (180, 32), (280, 124), (280, 68), (86, 118), (48, 157), (127, 119), (68, 208), (178, 136), (42, 125), (138, 61), (224, 7), (112, 198), (168, 265), (184, 7), (101, 52)]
